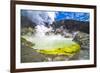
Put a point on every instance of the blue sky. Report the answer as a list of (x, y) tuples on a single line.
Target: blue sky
[(80, 16)]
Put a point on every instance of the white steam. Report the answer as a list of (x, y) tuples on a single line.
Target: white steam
[(41, 30), (52, 16), (41, 17)]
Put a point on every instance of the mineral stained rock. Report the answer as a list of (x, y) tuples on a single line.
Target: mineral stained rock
[(83, 39)]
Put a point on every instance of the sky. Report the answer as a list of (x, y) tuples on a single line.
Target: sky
[(80, 16), (42, 17)]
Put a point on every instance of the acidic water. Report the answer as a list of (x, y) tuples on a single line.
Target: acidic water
[(43, 41)]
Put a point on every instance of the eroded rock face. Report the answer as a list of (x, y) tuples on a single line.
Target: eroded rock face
[(83, 39), (72, 25), (28, 54)]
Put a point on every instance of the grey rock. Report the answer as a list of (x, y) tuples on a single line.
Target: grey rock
[(82, 39), (30, 55)]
